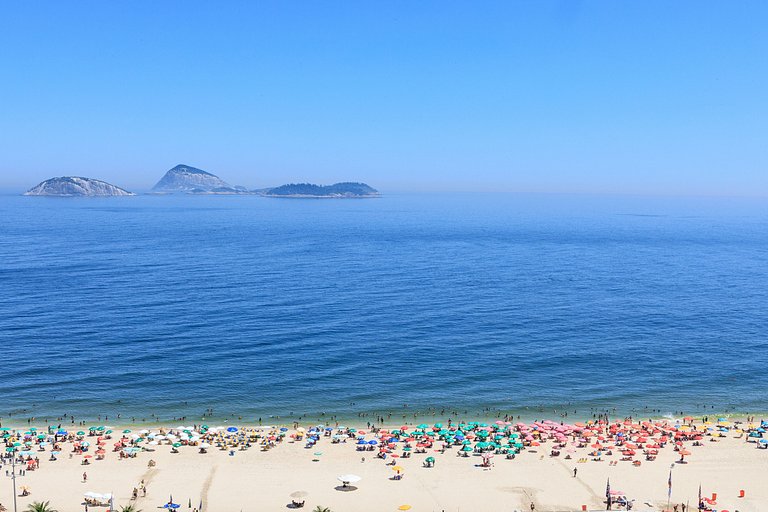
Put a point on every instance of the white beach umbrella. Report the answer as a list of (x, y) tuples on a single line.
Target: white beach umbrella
[(349, 479)]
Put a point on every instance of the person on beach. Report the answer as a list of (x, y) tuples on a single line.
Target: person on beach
[(574, 472), (85, 476)]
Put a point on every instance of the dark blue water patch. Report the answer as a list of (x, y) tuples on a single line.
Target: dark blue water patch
[(171, 305)]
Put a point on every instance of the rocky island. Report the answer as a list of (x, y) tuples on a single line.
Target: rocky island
[(76, 186), (337, 190), (191, 180)]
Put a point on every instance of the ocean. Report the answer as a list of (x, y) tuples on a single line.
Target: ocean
[(417, 306)]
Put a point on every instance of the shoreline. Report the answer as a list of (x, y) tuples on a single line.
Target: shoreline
[(362, 423)]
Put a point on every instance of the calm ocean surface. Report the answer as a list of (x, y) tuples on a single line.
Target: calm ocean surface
[(259, 307)]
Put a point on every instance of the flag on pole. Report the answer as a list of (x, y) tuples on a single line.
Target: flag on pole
[(669, 483), (699, 504)]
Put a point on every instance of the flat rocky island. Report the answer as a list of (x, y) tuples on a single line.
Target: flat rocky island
[(337, 190), (76, 186)]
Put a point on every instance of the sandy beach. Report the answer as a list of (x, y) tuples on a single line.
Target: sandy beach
[(230, 478)]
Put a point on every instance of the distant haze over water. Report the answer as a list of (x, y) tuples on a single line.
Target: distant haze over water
[(257, 307)]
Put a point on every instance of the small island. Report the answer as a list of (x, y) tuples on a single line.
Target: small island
[(191, 180), (76, 186), (309, 190)]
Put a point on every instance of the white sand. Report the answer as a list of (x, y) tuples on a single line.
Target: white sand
[(255, 480)]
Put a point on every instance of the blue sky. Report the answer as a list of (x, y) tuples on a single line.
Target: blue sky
[(567, 96)]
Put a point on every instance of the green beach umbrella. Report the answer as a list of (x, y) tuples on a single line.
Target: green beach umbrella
[(430, 459), (407, 449), (176, 445), (9, 449), (438, 425), (467, 448), (126, 431), (423, 426), (17, 443), (108, 432), (80, 433), (317, 454), (41, 436), (100, 428), (33, 429)]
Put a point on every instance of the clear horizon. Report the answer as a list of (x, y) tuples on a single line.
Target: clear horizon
[(639, 98)]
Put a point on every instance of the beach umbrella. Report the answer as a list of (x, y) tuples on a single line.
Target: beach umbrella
[(299, 494), (430, 459), (232, 429), (81, 433), (348, 479), (126, 431), (404, 507), (398, 468)]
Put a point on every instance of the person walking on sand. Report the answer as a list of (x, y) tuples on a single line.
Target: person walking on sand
[(85, 476), (574, 472)]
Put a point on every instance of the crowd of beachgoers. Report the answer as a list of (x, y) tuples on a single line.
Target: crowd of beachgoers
[(610, 442)]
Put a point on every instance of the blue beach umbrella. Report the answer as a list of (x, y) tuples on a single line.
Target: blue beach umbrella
[(231, 429)]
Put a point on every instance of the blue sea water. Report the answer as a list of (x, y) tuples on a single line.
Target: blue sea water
[(476, 303)]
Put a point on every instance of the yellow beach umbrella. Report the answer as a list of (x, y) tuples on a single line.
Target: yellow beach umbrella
[(397, 468), (404, 507)]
